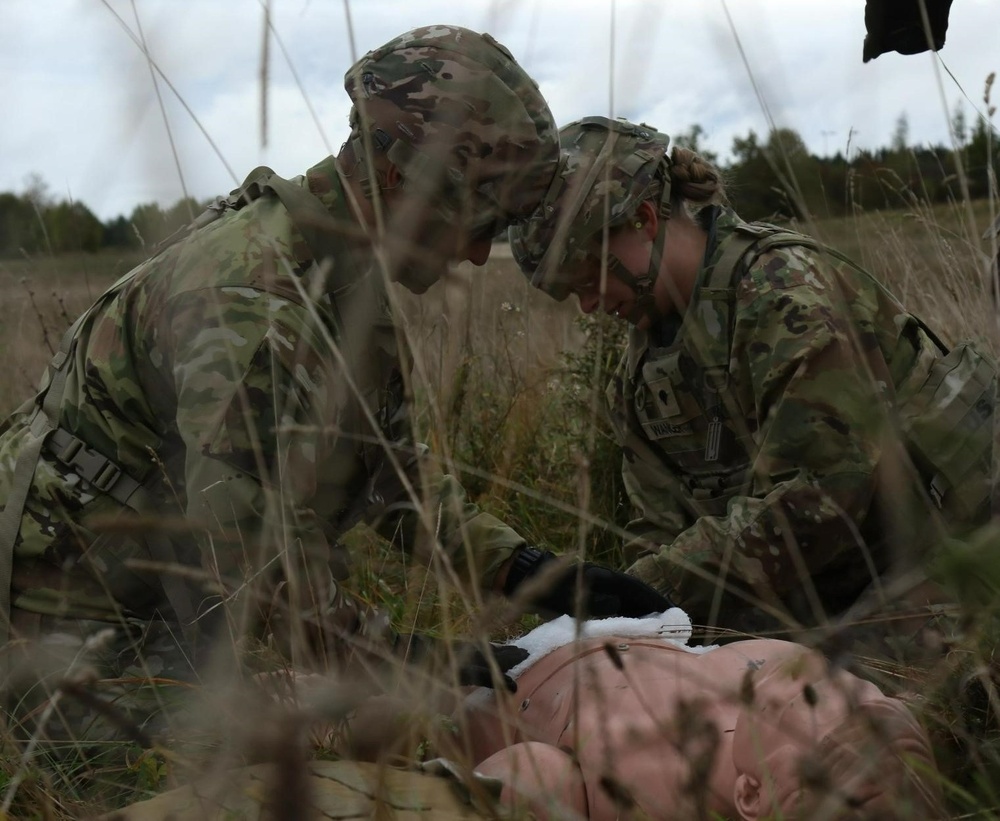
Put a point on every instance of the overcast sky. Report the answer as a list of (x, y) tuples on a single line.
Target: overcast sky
[(80, 108)]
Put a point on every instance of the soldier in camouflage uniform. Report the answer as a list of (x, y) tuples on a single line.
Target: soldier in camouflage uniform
[(792, 436), (223, 414)]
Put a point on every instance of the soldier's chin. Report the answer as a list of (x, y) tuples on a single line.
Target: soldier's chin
[(643, 323), (418, 278)]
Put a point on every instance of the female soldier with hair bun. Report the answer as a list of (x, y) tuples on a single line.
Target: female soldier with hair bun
[(788, 433)]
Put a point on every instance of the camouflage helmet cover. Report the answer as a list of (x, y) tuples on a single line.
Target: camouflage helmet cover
[(607, 168), (460, 118)]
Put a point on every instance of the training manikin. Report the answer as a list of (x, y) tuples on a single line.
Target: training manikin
[(628, 719)]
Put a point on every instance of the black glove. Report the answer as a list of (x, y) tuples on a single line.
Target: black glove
[(891, 25), (606, 592), (472, 662)]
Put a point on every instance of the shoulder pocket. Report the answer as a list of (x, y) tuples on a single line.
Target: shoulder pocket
[(948, 425), (284, 390)]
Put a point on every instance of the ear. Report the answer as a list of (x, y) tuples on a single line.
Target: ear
[(646, 214), (746, 797), (393, 177)]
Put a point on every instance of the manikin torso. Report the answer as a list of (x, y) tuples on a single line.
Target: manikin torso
[(611, 726), (646, 721)]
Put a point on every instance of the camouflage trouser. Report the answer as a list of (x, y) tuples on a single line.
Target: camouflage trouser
[(86, 690)]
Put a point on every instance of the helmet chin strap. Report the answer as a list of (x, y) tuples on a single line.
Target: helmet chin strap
[(645, 300)]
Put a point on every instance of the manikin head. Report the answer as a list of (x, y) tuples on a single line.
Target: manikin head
[(753, 729), (821, 743), (451, 142)]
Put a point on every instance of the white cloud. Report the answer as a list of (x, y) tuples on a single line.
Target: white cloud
[(81, 111)]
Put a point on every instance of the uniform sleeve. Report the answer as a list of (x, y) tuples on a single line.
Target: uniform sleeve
[(257, 410), (425, 511), (282, 459), (815, 380)]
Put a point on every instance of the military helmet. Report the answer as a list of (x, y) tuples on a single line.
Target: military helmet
[(607, 168), (463, 122)]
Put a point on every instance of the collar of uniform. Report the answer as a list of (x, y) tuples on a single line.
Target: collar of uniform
[(718, 222), (324, 182), (638, 343), (721, 222)]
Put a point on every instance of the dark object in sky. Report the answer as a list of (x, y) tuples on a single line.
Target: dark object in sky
[(898, 25)]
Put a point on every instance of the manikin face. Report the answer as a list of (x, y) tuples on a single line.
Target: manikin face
[(809, 747)]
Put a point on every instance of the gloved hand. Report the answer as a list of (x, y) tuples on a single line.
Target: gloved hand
[(606, 592), (891, 25), (473, 664)]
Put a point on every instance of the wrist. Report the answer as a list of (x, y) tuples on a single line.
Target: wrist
[(522, 565), (658, 573), (500, 576)]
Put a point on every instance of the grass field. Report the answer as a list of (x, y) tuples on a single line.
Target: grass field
[(507, 388), (39, 299), (483, 314), (933, 258)]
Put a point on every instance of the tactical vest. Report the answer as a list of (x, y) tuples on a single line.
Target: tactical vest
[(682, 405), (321, 233)]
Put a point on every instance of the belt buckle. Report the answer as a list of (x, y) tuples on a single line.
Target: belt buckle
[(106, 477), (69, 452)]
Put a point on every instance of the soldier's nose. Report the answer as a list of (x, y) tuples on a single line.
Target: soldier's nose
[(478, 251), (589, 302)]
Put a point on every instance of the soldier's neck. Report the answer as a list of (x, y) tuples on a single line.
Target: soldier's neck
[(682, 258), (360, 204)]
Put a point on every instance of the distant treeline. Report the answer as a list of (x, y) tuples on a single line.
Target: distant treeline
[(768, 178), (776, 177)]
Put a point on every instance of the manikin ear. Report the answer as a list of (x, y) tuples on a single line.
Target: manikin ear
[(646, 214), (746, 797)]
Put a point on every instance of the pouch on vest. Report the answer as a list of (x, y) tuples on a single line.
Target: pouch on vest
[(948, 426)]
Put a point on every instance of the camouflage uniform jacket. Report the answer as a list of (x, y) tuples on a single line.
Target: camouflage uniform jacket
[(756, 458), (261, 399)]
